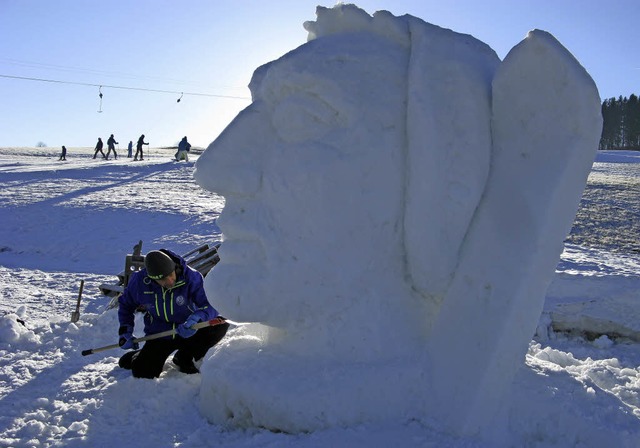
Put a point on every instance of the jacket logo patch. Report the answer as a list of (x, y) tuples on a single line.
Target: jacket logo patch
[(180, 300)]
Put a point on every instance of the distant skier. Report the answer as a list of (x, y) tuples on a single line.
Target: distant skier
[(111, 145), (99, 146), (183, 150), (130, 149), (63, 155), (139, 148)]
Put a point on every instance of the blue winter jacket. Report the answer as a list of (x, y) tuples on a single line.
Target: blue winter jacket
[(165, 309)]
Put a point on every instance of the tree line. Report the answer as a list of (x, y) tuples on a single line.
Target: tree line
[(621, 123)]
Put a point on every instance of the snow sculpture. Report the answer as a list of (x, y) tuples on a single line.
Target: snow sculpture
[(396, 202)]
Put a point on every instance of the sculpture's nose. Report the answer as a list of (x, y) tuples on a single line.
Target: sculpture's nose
[(232, 164)]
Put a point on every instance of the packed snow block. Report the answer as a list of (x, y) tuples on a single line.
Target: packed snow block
[(396, 201), (546, 125)]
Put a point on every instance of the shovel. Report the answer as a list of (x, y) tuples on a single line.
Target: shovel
[(75, 316)]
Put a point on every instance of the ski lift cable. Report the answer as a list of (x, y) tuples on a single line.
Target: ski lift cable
[(85, 70), (110, 73), (25, 78)]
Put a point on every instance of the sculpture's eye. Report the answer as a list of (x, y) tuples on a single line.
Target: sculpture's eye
[(305, 116)]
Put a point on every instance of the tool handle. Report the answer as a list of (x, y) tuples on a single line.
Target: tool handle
[(79, 296), (162, 334)]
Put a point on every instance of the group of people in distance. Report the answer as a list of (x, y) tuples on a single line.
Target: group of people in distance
[(111, 146), (183, 149)]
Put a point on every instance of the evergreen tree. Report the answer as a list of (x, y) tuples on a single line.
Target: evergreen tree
[(632, 122), (621, 123)]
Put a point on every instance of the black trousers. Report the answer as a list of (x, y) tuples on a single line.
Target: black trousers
[(149, 361)]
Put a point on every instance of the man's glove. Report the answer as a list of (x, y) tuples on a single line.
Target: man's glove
[(185, 330), (126, 338)]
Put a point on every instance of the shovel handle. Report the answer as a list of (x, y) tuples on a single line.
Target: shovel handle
[(79, 296), (206, 323)]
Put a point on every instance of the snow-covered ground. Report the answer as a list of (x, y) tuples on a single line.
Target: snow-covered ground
[(63, 222)]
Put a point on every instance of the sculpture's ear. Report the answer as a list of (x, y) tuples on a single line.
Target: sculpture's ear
[(449, 149)]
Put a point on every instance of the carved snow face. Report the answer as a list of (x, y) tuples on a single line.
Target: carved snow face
[(393, 175), (314, 193)]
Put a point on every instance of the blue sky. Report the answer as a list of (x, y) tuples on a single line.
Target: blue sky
[(208, 49)]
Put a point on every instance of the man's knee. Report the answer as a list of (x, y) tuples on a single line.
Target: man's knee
[(205, 339), (219, 331), (145, 370), (149, 362), (214, 334), (144, 373)]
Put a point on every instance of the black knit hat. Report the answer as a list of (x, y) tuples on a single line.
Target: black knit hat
[(158, 264)]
